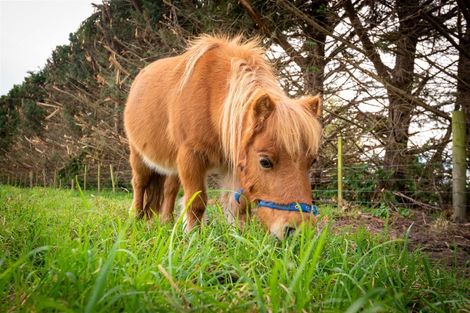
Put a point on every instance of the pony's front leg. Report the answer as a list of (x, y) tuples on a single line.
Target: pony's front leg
[(192, 170), (243, 211), (235, 212)]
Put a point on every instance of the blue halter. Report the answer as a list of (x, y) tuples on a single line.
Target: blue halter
[(292, 207)]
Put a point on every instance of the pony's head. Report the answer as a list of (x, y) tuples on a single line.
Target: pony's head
[(279, 142)]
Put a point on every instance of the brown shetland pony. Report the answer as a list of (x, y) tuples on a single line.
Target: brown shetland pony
[(218, 108)]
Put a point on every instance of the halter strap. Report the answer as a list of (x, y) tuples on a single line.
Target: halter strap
[(291, 207)]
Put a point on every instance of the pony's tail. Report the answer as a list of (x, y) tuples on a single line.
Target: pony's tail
[(153, 197)]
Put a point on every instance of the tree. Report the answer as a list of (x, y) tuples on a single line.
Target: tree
[(386, 69)]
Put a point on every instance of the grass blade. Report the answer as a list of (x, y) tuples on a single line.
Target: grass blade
[(100, 282)]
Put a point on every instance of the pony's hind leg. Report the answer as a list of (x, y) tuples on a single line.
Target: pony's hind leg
[(147, 186), (141, 176), (192, 169), (153, 198), (171, 188)]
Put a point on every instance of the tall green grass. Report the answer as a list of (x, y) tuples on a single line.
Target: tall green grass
[(66, 252)]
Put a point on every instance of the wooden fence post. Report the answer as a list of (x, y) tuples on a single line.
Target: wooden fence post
[(111, 172), (72, 184), (98, 176), (44, 182), (30, 179), (84, 177), (459, 166), (55, 178), (340, 172)]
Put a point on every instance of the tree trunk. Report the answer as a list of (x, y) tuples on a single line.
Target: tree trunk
[(399, 113), (463, 92), (314, 74), (314, 46), (463, 83)]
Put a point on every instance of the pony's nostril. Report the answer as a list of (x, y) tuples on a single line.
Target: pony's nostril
[(289, 231)]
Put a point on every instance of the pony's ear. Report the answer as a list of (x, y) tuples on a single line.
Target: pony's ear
[(313, 104), (263, 106)]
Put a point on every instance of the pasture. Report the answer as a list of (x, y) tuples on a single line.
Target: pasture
[(67, 251)]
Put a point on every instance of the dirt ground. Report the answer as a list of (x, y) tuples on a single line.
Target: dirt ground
[(445, 242)]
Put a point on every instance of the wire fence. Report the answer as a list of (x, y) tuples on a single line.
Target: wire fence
[(361, 183), (343, 180), (93, 176)]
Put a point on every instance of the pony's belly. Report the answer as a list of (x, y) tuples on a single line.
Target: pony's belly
[(160, 167)]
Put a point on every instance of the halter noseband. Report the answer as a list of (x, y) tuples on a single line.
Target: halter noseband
[(292, 207)]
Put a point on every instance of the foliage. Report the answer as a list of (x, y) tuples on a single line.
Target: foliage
[(383, 211), (19, 109), (9, 120), (72, 168), (361, 185)]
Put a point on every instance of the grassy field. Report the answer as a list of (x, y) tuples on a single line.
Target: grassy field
[(66, 252)]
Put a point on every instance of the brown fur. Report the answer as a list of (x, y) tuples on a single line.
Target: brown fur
[(218, 107)]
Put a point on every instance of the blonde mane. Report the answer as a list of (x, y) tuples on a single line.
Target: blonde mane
[(295, 126)]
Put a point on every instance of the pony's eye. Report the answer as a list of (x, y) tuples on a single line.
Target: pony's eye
[(265, 163)]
